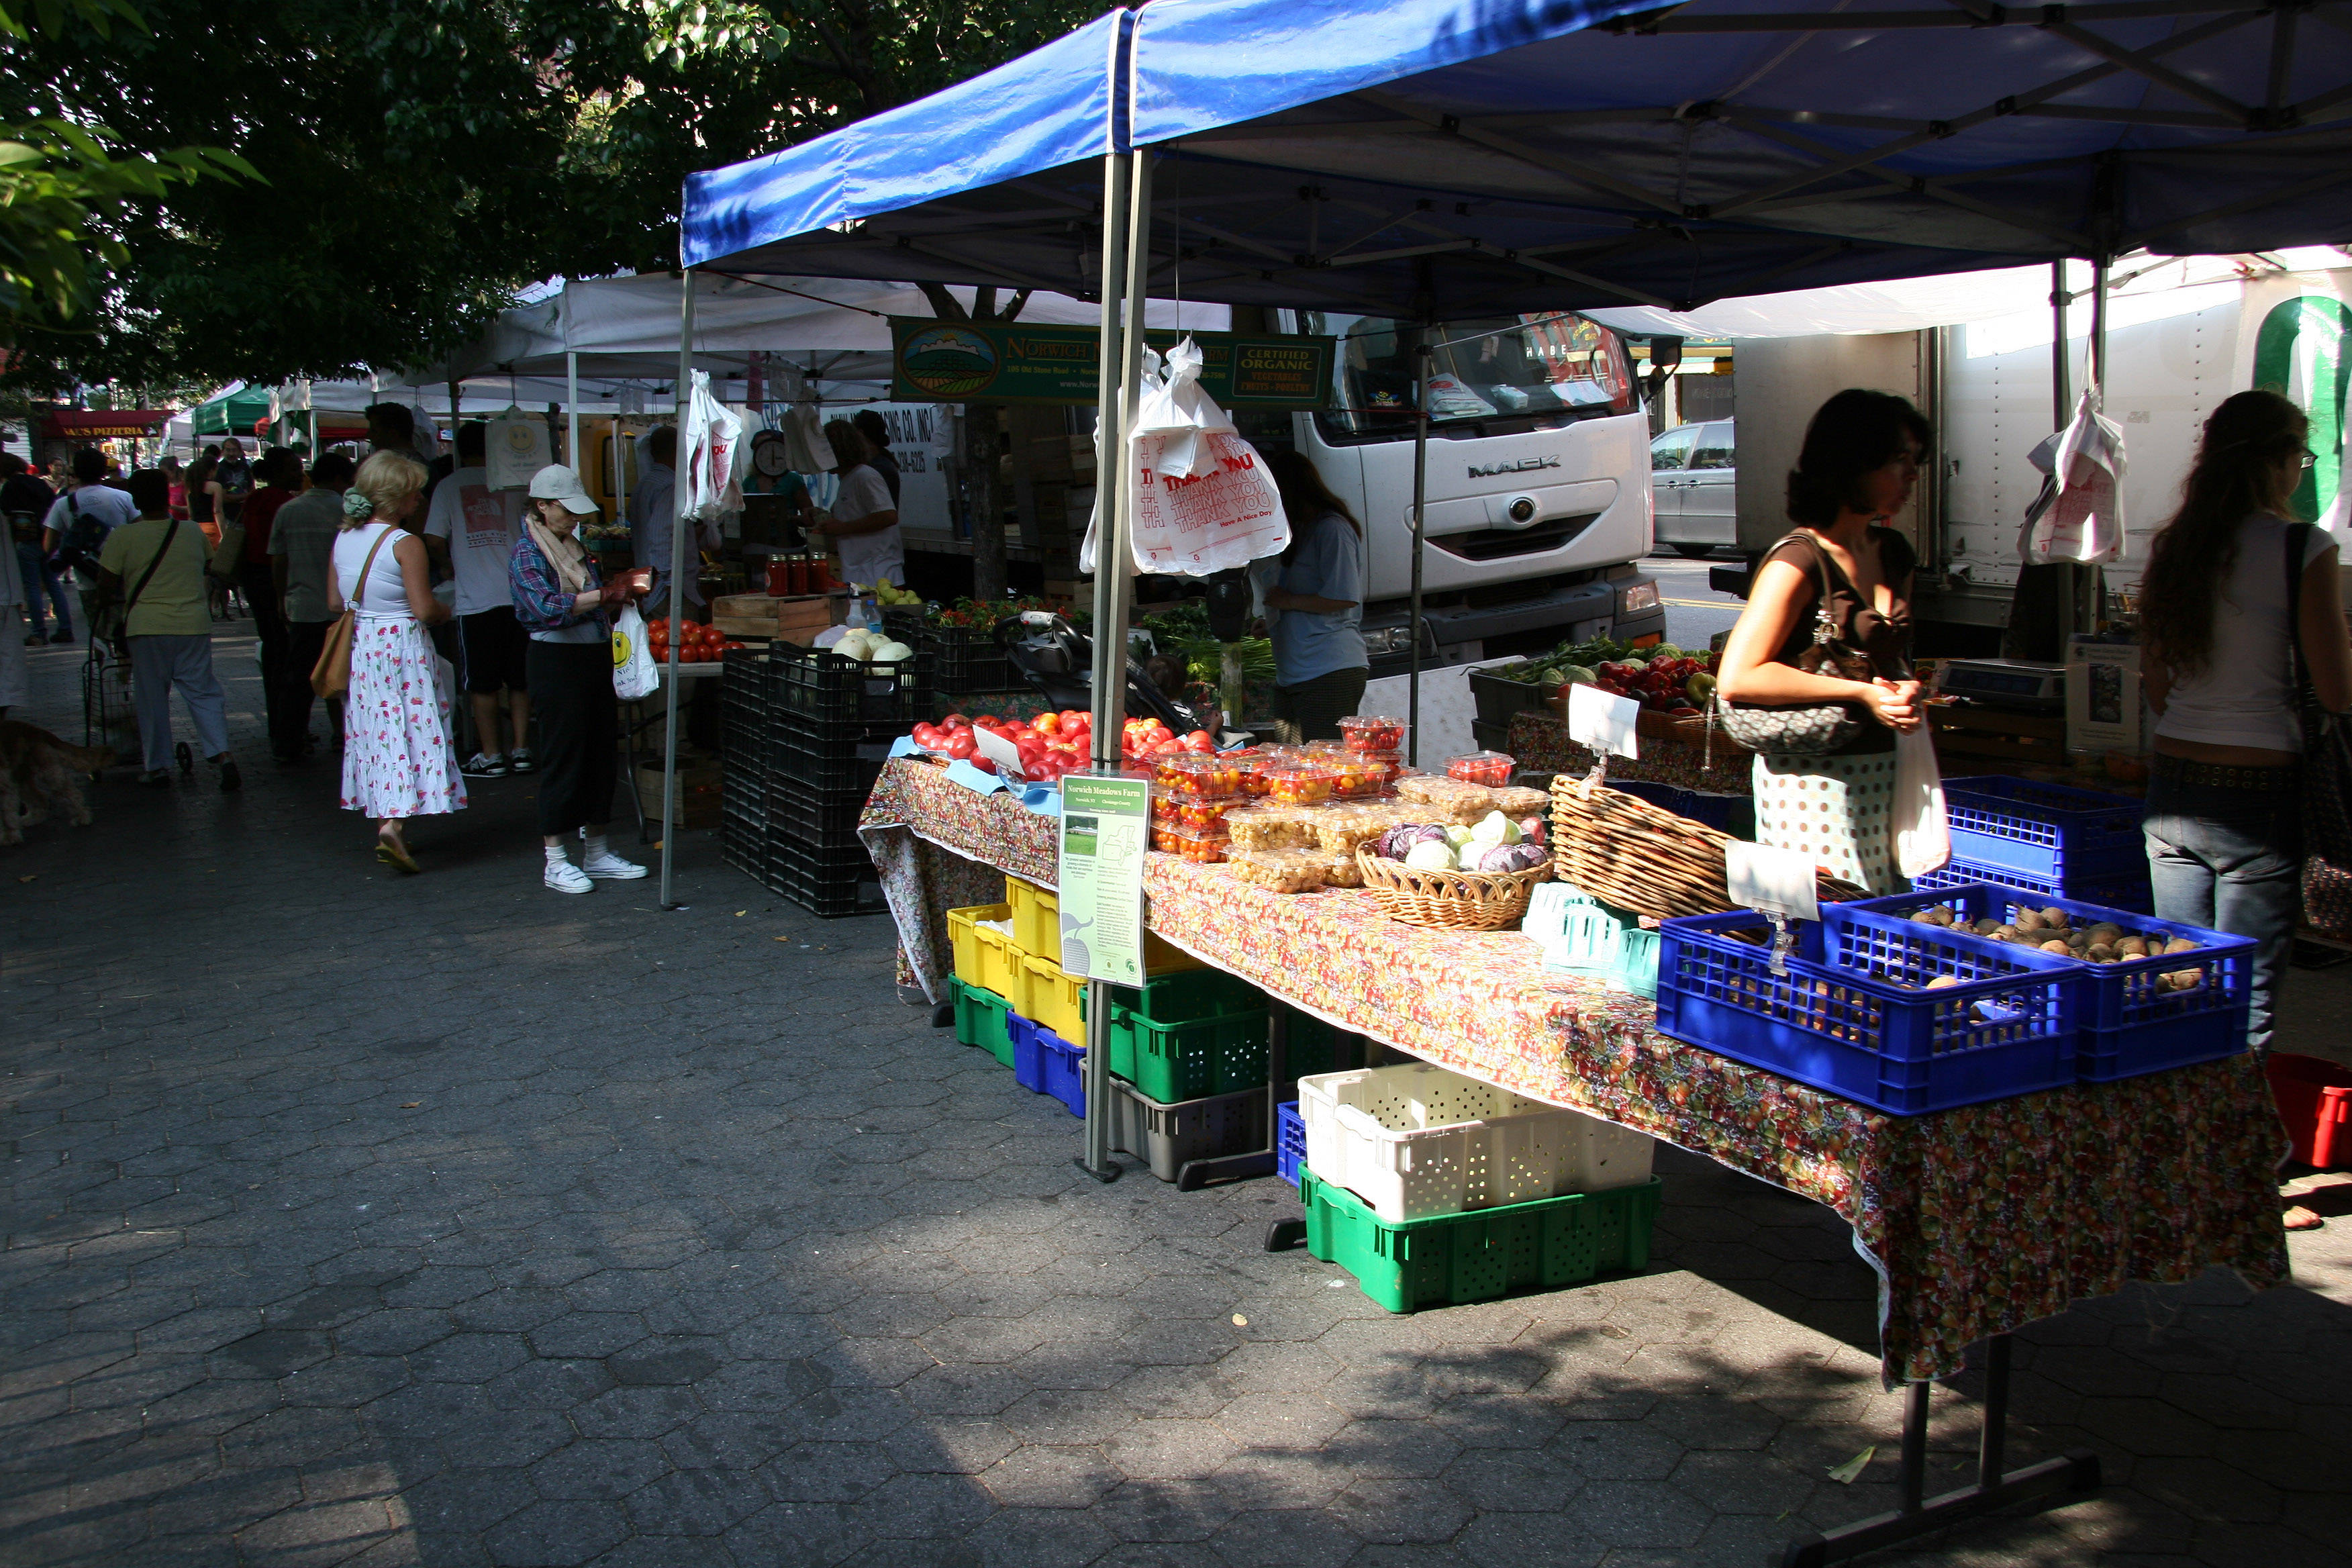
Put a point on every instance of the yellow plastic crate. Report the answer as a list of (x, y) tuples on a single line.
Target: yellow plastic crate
[(1001, 961), (1054, 999), (1036, 920), (963, 938), (1162, 958)]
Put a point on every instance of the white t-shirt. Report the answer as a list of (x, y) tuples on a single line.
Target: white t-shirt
[(869, 558), (2242, 698), (481, 525), (109, 506), (387, 588)]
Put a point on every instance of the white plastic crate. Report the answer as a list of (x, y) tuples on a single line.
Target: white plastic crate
[(1417, 1140)]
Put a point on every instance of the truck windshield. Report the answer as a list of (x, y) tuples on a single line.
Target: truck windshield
[(1496, 376)]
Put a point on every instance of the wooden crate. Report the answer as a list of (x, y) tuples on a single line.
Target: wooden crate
[(794, 620), (1968, 734), (698, 789)]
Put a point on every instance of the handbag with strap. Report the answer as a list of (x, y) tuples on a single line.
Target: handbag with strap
[(1808, 731), (2327, 785), (332, 676)]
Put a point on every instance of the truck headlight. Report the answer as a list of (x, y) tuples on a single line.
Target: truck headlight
[(1641, 596)]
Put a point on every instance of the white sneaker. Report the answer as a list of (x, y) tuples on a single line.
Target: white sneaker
[(565, 878), (608, 866)]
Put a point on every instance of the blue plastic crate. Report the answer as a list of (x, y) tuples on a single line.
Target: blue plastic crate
[(1045, 1062), (2123, 889), (1851, 1014), (2062, 835), (2133, 1022), (1289, 1142)]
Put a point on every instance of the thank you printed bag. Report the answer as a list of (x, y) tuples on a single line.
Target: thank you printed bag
[(1203, 499)]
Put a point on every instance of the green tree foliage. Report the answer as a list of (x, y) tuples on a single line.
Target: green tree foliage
[(425, 158)]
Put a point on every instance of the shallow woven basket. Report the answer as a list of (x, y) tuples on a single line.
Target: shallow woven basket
[(1625, 851), (1452, 900)]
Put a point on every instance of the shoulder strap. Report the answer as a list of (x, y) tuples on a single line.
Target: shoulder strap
[(1825, 629), (2298, 544), (148, 576)]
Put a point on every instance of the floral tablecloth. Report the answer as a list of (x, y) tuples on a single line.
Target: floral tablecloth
[(1978, 1220)]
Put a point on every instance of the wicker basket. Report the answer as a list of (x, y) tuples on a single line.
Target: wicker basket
[(1452, 900), (1625, 851)]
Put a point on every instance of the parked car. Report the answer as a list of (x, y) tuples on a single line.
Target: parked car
[(1694, 475)]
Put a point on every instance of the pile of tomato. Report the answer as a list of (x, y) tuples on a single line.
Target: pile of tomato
[(697, 644), (1050, 744), (1145, 738), (1663, 685)]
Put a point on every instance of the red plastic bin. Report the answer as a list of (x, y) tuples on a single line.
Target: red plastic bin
[(2315, 1100)]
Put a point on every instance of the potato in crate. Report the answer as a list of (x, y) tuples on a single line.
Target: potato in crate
[(1900, 1016)]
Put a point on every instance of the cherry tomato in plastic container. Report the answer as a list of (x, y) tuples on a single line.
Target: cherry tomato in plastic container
[(1298, 783), (1201, 848), (1191, 772), (1369, 733), (1353, 777), (1203, 814), (1492, 769)]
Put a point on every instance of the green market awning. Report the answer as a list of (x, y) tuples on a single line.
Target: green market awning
[(232, 413)]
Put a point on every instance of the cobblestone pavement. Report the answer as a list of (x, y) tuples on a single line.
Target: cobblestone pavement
[(449, 1221)]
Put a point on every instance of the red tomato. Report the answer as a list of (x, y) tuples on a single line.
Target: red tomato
[(1200, 740), (955, 721), (983, 765), (1047, 723), (927, 736), (988, 721), (961, 744)]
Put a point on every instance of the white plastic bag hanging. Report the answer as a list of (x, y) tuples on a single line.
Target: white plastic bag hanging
[(516, 450), (1203, 499), (1923, 834), (710, 447), (634, 675), (2079, 515), (806, 450)]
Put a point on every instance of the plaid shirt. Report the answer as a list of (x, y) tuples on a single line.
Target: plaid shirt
[(541, 602)]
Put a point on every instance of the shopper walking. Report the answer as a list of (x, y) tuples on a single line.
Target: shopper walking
[(1314, 595), (26, 501), (1843, 568), (398, 760), (178, 475), (567, 608), (279, 477), (865, 522), (301, 544), (2223, 823), (75, 532), (472, 530), (154, 565), (203, 492)]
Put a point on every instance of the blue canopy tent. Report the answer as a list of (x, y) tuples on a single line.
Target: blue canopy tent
[(1443, 159)]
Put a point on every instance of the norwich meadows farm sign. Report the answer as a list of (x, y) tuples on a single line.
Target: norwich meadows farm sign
[(996, 362)]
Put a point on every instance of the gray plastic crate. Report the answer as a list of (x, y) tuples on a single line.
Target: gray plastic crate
[(1168, 1137)]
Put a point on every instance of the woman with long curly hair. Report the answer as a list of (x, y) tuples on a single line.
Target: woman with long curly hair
[(2216, 630)]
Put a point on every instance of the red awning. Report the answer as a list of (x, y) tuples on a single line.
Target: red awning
[(98, 423)]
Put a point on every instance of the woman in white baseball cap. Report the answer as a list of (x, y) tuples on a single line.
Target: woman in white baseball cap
[(568, 609)]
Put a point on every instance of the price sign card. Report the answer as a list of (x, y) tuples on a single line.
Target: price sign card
[(1000, 751), (1106, 829), (1777, 881), (1603, 722)]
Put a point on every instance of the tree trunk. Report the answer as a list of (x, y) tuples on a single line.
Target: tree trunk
[(983, 425)]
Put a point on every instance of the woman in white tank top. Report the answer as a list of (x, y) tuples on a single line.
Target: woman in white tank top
[(397, 759), (2223, 823)]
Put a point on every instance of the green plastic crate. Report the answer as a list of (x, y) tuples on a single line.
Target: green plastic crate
[(1313, 1046), (1222, 1054), (1188, 993), (1449, 1259), (980, 1015)]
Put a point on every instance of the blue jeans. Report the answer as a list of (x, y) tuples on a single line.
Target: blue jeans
[(41, 577), (2231, 861)]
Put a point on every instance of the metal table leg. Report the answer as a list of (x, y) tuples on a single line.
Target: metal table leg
[(2074, 1475)]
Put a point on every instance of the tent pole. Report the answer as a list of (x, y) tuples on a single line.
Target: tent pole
[(1420, 493), (676, 599), (1110, 543), (2098, 355), (572, 409), (2062, 403)]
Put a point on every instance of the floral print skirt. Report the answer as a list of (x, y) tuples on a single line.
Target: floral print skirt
[(397, 759), (1838, 810)]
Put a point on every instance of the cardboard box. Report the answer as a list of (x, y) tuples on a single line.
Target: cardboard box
[(796, 620), (2105, 710)]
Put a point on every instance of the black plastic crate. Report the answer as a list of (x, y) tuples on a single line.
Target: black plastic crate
[(1499, 697), (827, 818), (1490, 737), (811, 684), (829, 881), (966, 659), (819, 762)]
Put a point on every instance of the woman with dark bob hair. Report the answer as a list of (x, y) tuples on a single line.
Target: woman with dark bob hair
[(1840, 566)]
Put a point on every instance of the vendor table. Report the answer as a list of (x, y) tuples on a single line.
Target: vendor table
[(1977, 1220)]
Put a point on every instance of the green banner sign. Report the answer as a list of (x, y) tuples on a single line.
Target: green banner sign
[(997, 361)]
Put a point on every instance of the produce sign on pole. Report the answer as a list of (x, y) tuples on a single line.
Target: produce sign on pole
[(997, 361), (1105, 826)]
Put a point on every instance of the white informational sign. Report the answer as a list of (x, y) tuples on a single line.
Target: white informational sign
[(1106, 828), (1002, 752), (1776, 881), (1603, 722)]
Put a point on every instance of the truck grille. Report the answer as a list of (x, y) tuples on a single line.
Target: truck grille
[(1503, 543)]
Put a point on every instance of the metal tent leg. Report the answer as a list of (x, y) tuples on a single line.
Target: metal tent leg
[(2074, 1475)]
